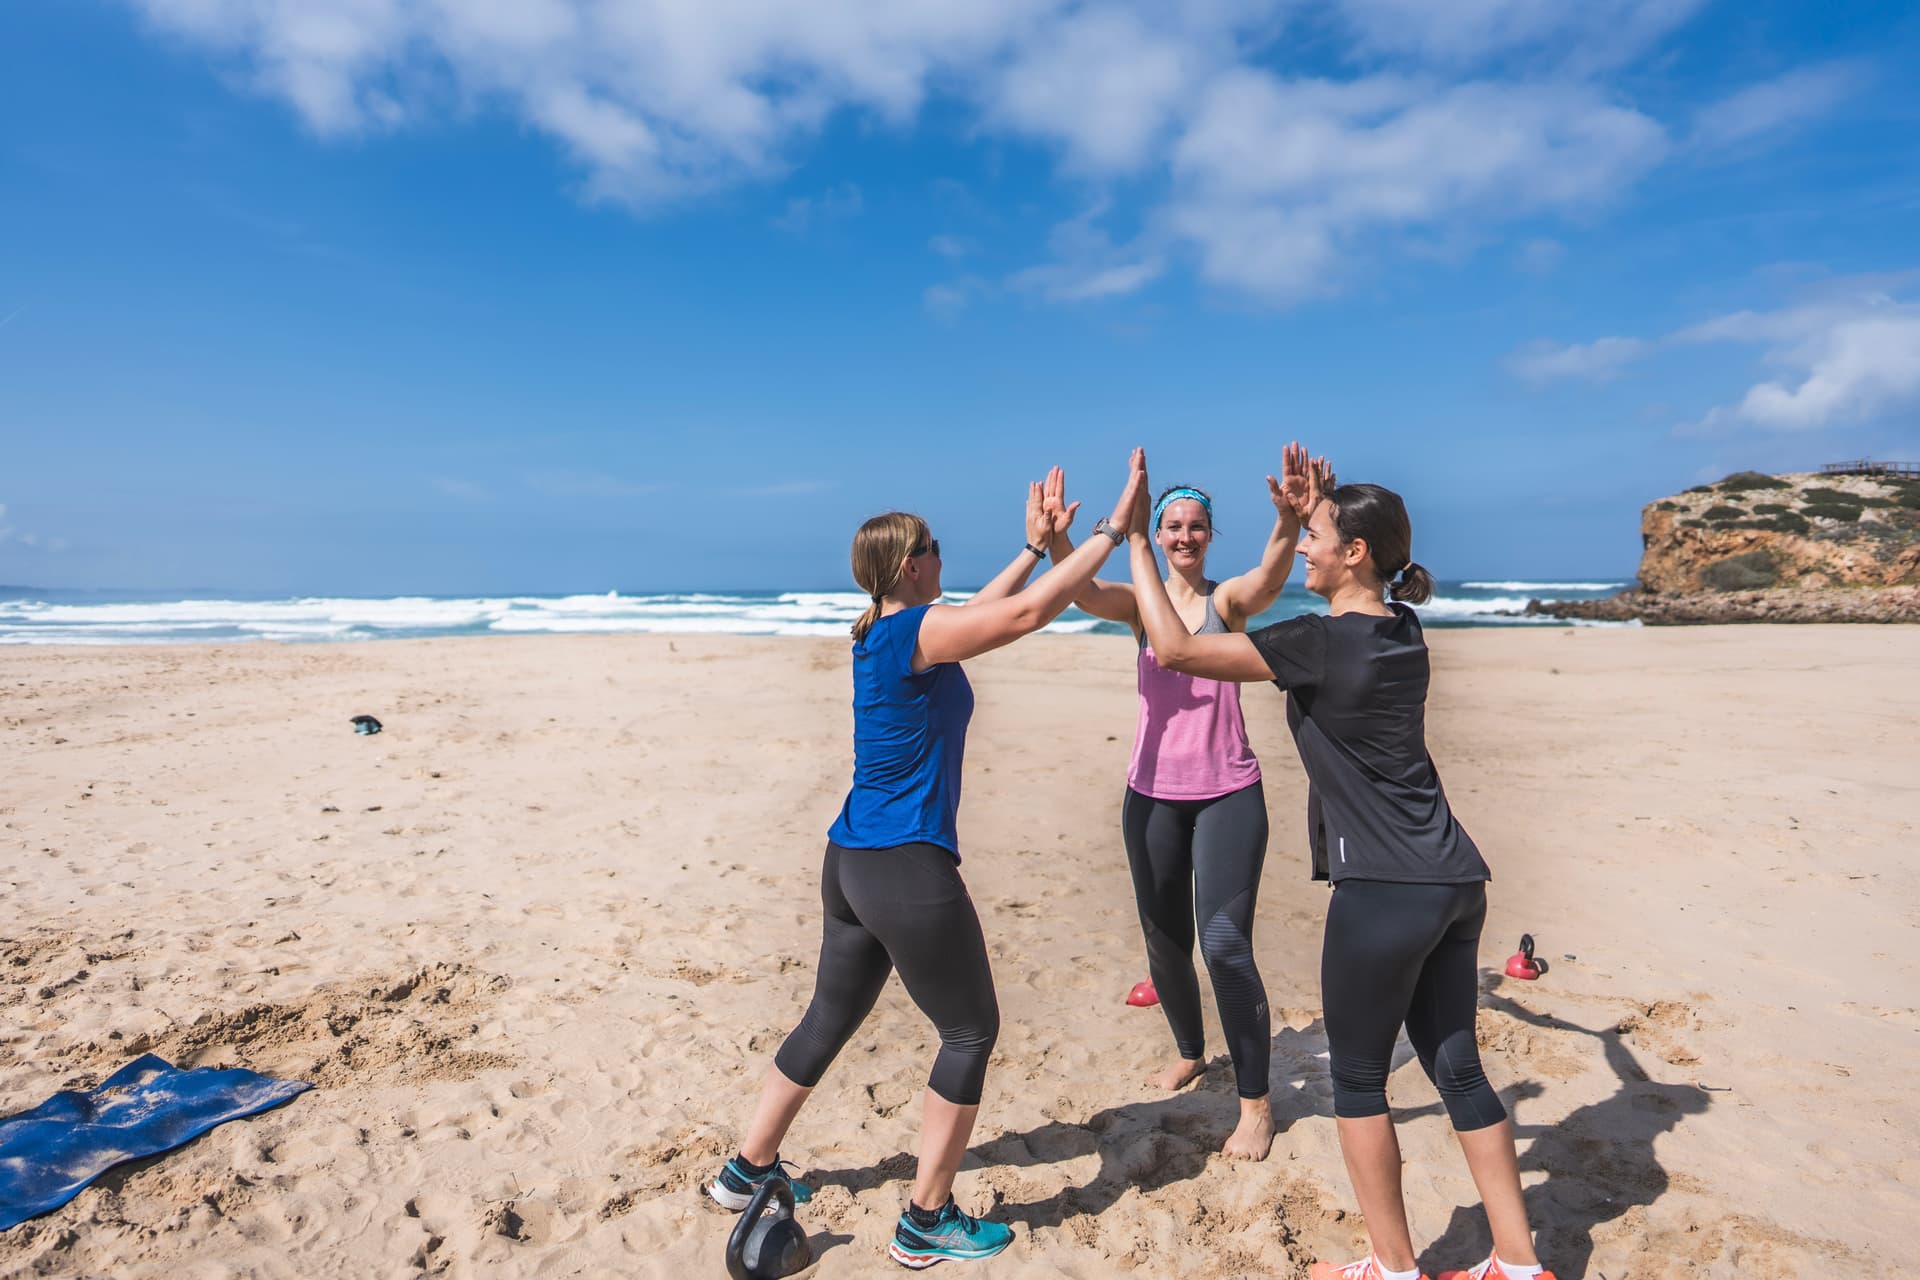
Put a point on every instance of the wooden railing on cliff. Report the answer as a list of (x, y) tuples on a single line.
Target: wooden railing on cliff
[(1865, 467)]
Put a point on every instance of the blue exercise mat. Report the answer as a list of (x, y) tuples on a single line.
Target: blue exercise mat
[(49, 1153)]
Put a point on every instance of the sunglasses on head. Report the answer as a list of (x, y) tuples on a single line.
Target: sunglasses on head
[(931, 544)]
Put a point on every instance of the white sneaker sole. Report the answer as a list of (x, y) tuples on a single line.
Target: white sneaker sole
[(732, 1201)]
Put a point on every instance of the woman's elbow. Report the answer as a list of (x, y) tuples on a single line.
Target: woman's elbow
[(1175, 658), (1029, 616)]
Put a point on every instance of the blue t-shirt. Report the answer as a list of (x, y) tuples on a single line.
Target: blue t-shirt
[(909, 733)]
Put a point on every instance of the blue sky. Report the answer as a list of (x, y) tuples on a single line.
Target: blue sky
[(379, 296)]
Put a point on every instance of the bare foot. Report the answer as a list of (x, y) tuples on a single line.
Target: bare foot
[(1182, 1072), (1253, 1137)]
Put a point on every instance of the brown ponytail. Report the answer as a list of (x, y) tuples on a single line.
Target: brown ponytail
[(1414, 585), (1377, 515), (880, 551)]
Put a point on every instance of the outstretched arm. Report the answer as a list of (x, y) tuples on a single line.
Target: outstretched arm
[(1014, 576), (1218, 657), (951, 634), (1110, 600), (1293, 497)]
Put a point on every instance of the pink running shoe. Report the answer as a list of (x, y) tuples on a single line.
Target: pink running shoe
[(1488, 1270), (1368, 1268)]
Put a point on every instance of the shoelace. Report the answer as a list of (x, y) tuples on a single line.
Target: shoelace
[(1485, 1269), (1362, 1270)]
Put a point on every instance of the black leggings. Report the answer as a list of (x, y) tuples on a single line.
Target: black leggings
[(1405, 953), (902, 908), (1196, 867)]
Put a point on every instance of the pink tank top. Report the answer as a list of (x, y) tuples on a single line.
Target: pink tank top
[(1191, 741)]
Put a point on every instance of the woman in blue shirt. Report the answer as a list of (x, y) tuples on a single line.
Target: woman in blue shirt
[(891, 885)]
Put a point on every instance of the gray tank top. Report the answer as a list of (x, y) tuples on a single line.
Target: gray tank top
[(1211, 625)]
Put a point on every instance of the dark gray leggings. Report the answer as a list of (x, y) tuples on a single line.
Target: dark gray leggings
[(1398, 953), (1196, 868), (902, 908)]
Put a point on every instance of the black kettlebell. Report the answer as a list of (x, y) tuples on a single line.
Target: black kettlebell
[(767, 1246)]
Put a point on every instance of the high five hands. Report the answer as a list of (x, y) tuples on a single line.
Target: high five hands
[(1304, 482), (1039, 523), (1049, 513), (1129, 508), (1142, 521), (1053, 501)]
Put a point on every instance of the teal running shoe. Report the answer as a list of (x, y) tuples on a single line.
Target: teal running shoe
[(734, 1186), (958, 1236)]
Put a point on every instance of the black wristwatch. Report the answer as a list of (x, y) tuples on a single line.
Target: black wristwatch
[(1104, 525)]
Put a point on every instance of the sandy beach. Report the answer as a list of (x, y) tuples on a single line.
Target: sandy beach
[(535, 943)]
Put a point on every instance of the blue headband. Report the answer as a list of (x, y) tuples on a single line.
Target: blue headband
[(1174, 495)]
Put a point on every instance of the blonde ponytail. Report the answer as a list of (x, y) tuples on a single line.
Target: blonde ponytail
[(880, 551)]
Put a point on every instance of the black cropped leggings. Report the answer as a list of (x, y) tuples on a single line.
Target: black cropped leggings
[(902, 908), (1398, 953), (1196, 868)]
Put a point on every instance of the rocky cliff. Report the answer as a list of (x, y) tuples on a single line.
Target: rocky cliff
[(1789, 548)]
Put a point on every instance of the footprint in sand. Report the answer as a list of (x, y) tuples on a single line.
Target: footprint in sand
[(1907, 1018), (702, 975), (1655, 1024), (677, 1163)]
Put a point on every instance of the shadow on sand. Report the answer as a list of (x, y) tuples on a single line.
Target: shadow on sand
[(1142, 1145), (1599, 1161)]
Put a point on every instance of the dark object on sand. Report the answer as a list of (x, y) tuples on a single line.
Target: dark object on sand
[(767, 1246), (1521, 964), (365, 724), (49, 1153)]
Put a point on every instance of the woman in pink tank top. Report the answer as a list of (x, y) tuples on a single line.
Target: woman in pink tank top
[(1194, 816)]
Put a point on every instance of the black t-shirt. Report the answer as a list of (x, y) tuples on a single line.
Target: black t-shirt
[(1357, 704)]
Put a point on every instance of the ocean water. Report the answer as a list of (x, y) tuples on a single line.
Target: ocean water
[(31, 615)]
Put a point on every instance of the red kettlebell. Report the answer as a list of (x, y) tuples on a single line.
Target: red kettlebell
[(1521, 963), (1143, 995)]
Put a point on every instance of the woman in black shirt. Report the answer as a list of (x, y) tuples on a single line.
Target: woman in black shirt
[(1409, 885)]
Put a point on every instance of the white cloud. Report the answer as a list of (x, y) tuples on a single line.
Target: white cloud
[(1277, 186), (1841, 362), (1849, 352), (657, 99), (1068, 284), (1596, 33), (951, 246), (1276, 180), (1088, 266), (1102, 82), (1795, 98), (1599, 361)]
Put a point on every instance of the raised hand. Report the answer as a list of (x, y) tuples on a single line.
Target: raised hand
[(1053, 500), (1320, 481), (1293, 490), (1039, 526), (1140, 514)]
